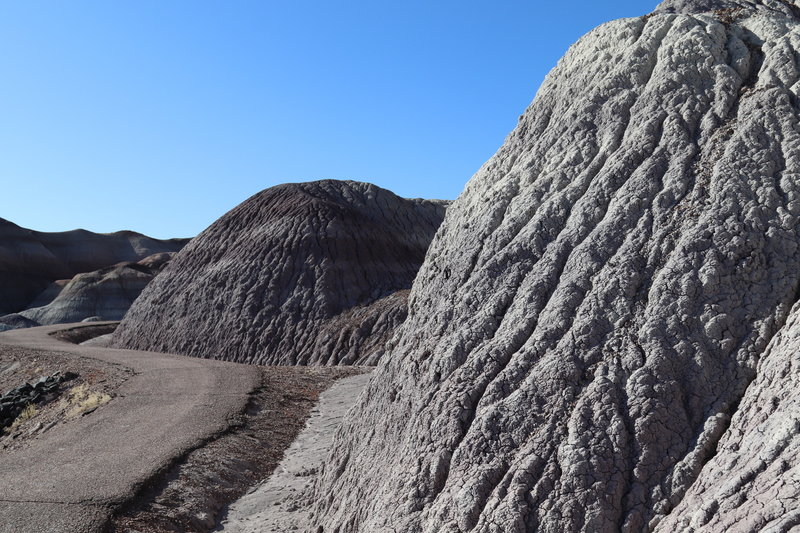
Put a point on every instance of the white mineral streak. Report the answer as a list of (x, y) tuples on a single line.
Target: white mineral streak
[(595, 304)]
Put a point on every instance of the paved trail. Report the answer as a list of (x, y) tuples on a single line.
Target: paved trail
[(71, 478)]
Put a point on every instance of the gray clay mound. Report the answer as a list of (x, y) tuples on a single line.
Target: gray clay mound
[(753, 482), (31, 260), (16, 321), (597, 301), (49, 294), (104, 294), (298, 274), (789, 8)]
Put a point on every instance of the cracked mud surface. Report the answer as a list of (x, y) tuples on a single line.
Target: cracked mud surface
[(753, 481), (310, 273), (790, 8), (595, 305)]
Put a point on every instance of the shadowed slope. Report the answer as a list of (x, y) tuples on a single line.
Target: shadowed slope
[(106, 293), (594, 306), (31, 260), (269, 280)]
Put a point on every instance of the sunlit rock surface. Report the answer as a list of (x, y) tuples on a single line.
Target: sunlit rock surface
[(596, 303)]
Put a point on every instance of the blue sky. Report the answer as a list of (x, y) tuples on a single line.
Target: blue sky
[(159, 116)]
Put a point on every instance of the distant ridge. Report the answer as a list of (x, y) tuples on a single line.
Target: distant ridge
[(104, 294), (31, 260)]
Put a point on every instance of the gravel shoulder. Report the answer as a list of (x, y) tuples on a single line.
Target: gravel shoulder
[(194, 494), (96, 384), (283, 502), (174, 446), (73, 477)]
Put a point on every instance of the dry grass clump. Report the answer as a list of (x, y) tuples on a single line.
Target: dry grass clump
[(26, 414), (81, 400)]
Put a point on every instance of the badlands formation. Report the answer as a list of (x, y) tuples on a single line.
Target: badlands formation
[(601, 337), (32, 262), (603, 332), (309, 273), (105, 294)]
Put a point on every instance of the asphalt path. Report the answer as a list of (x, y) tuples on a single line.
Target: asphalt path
[(71, 478)]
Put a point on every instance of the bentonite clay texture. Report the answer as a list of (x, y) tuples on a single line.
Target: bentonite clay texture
[(303, 273), (753, 482), (780, 7), (595, 304), (31, 260), (106, 293)]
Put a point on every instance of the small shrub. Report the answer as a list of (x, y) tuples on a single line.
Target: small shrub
[(729, 15), (81, 400), (26, 414)]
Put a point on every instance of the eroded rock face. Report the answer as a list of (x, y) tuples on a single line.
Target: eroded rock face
[(298, 274), (16, 321), (595, 304), (789, 8), (753, 482), (31, 260), (104, 294)]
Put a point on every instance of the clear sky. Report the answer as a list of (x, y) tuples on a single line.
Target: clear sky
[(160, 115)]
